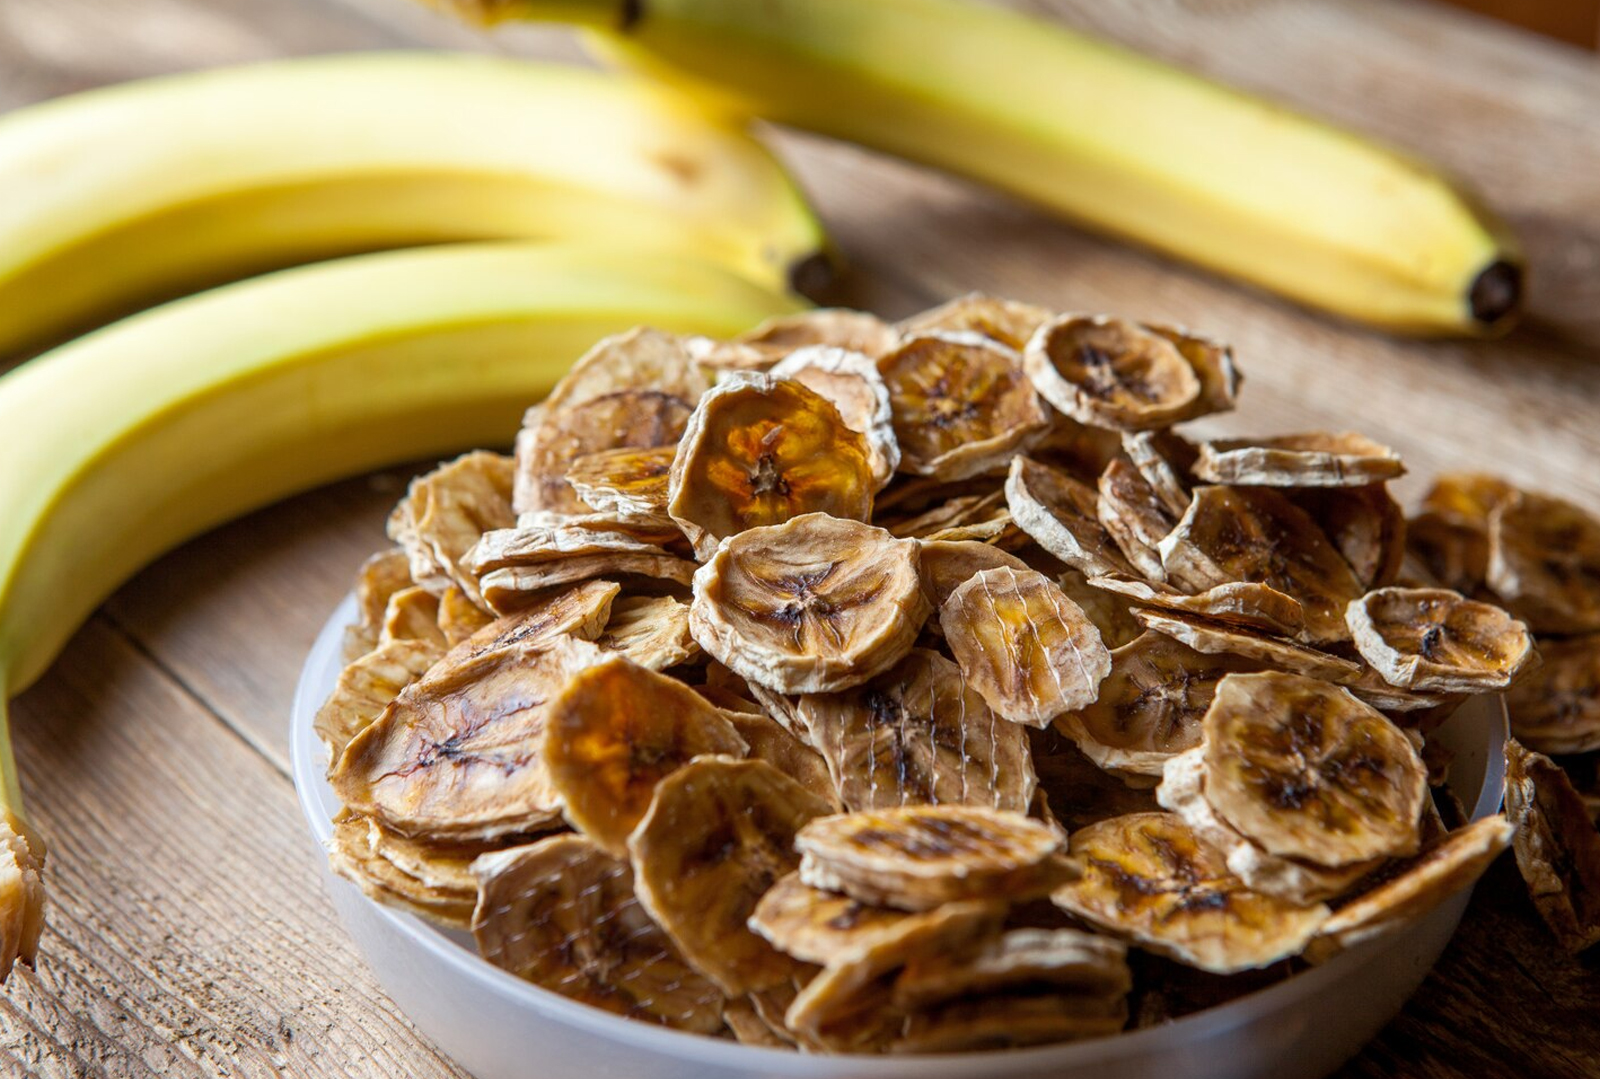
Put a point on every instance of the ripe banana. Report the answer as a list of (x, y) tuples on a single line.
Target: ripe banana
[(138, 193), (1118, 141), (122, 444)]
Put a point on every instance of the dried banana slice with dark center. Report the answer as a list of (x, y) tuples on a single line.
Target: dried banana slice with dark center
[(917, 857), (1109, 373), (1037, 960), (1007, 321), (1544, 562), (1148, 878), (1258, 536), (617, 730), (1312, 459), (652, 631), (1131, 513), (627, 482), (719, 833), (851, 381), (1212, 637), (1556, 708), (1150, 705), (810, 606), (446, 511), (1557, 846), (1063, 517), (1305, 770), (365, 688), (1430, 639), (1253, 606), (562, 914), (1213, 364), (1027, 649), (760, 450), (948, 564), (919, 734), (456, 755), (1166, 460), (1365, 524), (962, 404)]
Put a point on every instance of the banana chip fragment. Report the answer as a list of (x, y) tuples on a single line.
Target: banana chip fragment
[(850, 380), (446, 511), (380, 576), (1007, 321), (628, 482), (1064, 960), (365, 688), (1556, 708), (1214, 637), (1557, 846), (1063, 516), (353, 855), (1257, 607), (1131, 513), (1106, 372), (652, 631), (1313, 459), (1166, 461), (1544, 562), (1431, 639)]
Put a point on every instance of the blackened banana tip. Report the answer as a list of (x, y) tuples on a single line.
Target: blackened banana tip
[(1496, 295)]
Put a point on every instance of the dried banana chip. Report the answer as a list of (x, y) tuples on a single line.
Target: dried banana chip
[(812, 605), (761, 450), (1080, 451), (630, 483), (1445, 555), (365, 688), (1007, 321), (456, 755), (1213, 365), (1079, 792), (749, 1028), (1220, 638), (446, 866), (1466, 498), (948, 564), (719, 833), (1312, 459), (652, 631), (835, 327), (1166, 461), (1062, 516), (580, 611), (1109, 612), (1150, 706), (1366, 526), (1010, 1022), (1557, 846), (851, 381), (1052, 960), (1544, 562), (613, 733), (1452, 863), (772, 742), (1147, 877), (917, 857), (513, 588), (1254, 606), (380, 577), (960, 512), (538, 539), (1257, 536), (962, 404), (1556, 709), (1132, 514), (460, 617), (1027, 649), (1305, 770), (412, 615), (446, 511), (1431, 639), (1106, 372), (562, 913), (351, 856), (919, 734)]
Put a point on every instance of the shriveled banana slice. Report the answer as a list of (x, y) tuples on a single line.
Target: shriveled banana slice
[(1466, 498), (1010, 1021), (1007, 321), (917, 857), (719, 833), (1150, 705), (1431, 639), (412, 614), (962, 404), (1106, 372), (851, 381), (1213, 364), (539, 539), (1442, 554), (1556, 708), (446, 511), (579, 611), (1557, 846), (1062, 515), (351, 855), (1414, 705), (628, 482), (1027, 649), (1544, 562), (772, 742), (1220, 638), (812, 605), (948, 564), (365, 688), (1060, 960), (1257, 536), (446, 866), (615, 731), (1132, 514), (1166, 460), (1079, 792), (1365, 524), (1305, 770), (380, 577), (1254, 606), (1454, 862), (513, 588), (760, 450), (1081, 451), (652, 631), (960, 512), (1148, 878), (562, 913), (749, 1028), (1110, 613), (919, 734), (456, 755), (835, 327), (459, 616), (1311, 459)]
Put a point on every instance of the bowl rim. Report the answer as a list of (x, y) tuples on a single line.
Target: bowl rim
[(306, 759)]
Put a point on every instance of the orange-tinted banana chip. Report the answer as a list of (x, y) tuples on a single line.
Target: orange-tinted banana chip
[(831, 326), (850, 380), (459, 616), (1556, 708), (1431, 639), (412, 614), (652, 631), (1312, 459), (948, 564), (1544, 562), (627, 482), (1063, 516), (380, 577), (762, 450), (962, 404), (1109, 373), (772, 742)]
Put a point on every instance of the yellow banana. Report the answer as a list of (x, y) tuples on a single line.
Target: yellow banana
[(137, 193), (124, 443), (1118, 141)]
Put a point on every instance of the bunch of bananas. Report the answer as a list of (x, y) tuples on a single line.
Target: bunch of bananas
[(135, 437)]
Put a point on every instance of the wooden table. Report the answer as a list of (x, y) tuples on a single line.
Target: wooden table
[(188, 935)]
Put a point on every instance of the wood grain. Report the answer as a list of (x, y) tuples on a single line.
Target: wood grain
[(189, 936)]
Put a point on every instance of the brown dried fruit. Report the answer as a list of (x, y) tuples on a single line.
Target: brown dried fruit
[(1106, 372), (352, 855), (1110, 613), (1053, 960), (1010, 1022), (380, 577), (812, 605), (1556, 709), (626, 482), (1311, 459), (1131, 513), (365, 688), (1213, 365), (851, 381), (1365, 524), (772, 742), (580, 611), (652, 631), (1006, 321), (1445, 555), (960, 512), (412, 614), (962, 404), (446, 511), (1220, 638), (832, 326), (1254, 606), (760, 451), (1557, 846), (1062, 515), (1466, 498), (562, 914), (948, 564), (515, 587), (1544, 562), (1078, 792), (1166, 460), (1430, 639), (459, 617), (1027, 649)]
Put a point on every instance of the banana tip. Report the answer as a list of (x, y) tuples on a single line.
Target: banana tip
[(813, 275), (1496, 295)]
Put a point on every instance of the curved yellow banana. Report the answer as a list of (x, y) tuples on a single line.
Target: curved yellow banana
[(123, 444), (142, 192)]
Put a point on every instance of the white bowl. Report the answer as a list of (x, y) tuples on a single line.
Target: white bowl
[(500, 1027)]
